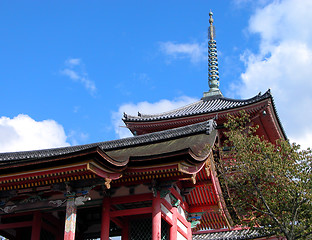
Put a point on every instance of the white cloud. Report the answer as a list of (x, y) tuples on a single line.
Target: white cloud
[(194, 51), (76, 137), (283, 64), (75, 70), (71, 74), (23, 133), (73, 61), (145, 108)]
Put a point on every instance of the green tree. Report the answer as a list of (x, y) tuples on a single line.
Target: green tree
[(268, 185)]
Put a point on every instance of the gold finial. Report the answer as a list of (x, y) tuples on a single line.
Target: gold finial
[(210, 19), (211, 27)]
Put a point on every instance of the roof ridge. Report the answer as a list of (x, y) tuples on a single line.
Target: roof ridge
[(169, 111)]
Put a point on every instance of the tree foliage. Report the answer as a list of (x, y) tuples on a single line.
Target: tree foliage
[(269, 185)]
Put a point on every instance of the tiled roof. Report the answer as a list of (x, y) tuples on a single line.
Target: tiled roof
[(229, 235), (205, 105), (207, 127)]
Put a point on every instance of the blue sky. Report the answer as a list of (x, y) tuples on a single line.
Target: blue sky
[(69, 69)]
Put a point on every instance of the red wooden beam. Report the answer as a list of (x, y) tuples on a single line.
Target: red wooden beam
[(156, 218), (203, 208), (129, 212), (174, 227), (166, 218), (118, 222), (184, 234), (167, 205), (16, 214), (132, 198), (36, 226), (105, 218), (48, 171), (206, 183), (15, 225), (125, 230)]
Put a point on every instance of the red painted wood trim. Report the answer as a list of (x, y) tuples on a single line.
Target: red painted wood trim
[(43, 172), (36, 226), (174, 227), (132, 198), (219, 196), (4, 226), (205, 183), (156, 218), (118, 222), (182, 219), (167, 205), (189, 231), (125, 230), (105, 218), (16, 214), (184, 234), (166, 218), (203, 208), (129, 212)]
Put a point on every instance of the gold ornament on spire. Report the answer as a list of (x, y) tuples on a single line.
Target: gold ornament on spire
[(211, 29)]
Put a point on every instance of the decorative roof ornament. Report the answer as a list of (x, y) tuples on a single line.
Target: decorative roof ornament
[(213, 73)]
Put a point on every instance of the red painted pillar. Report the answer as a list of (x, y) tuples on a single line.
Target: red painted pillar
[(105, 219), (174, 227), (189, 231), (125, 230), (156, 215), (70, 221), (36, 226)]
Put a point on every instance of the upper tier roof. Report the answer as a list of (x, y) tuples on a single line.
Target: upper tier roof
[(203, 106)]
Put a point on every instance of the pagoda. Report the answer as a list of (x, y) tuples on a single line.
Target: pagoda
[(213, 105), (159, 184)]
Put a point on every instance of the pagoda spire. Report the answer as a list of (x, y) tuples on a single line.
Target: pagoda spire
[(213, 74)]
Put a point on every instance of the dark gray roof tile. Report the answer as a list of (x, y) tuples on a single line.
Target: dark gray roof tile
[(207, 127), (205, 105), (230, 235)]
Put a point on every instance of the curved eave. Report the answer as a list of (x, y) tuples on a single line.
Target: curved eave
[(94, 153), (190, 149), (192, 109), (278, 121), (26, 178)]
